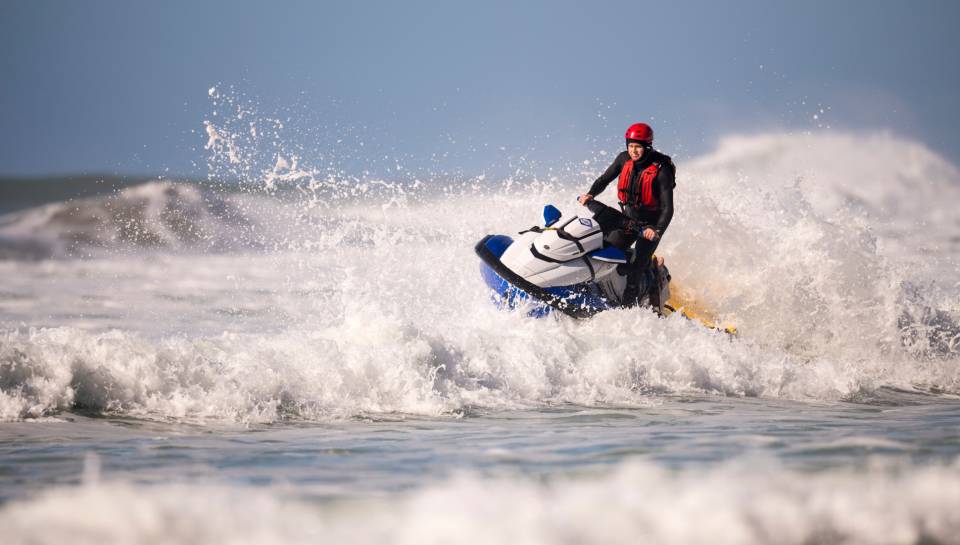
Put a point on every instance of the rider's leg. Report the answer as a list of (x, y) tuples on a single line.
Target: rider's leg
[(612, 223), (610, 219), (641, 262)]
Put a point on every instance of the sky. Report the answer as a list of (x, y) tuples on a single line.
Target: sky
[(123, 87)]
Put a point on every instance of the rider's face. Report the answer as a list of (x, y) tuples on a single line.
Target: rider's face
[(635, 150)]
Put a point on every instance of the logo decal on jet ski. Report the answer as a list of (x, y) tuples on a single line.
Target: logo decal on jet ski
[(586, 222)]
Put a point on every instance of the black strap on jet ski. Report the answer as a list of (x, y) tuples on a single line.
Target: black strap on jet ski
[(567, 236)]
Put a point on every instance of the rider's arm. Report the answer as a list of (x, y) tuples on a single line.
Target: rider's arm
[(666, 179), (611, 173)]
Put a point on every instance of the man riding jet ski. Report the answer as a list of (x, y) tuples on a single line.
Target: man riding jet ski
[(645, 182), (568, 255), (581, 264)]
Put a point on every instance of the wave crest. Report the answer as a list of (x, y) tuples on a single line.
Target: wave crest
[(370, 364), (637, 503), (157, 214)]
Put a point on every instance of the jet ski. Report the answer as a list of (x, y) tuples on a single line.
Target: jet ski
[(567, 265)]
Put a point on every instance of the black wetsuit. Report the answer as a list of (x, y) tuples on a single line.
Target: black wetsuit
[(624, 228)]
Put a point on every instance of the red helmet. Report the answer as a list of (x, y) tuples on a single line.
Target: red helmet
[(640, 132)]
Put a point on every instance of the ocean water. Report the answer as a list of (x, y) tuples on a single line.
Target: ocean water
[(313, 357)]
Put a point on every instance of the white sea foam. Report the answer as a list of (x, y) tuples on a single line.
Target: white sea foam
[(370, 363), (905, 191), (743, 503)]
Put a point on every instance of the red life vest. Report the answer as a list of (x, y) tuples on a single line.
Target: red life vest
[(638, 197)]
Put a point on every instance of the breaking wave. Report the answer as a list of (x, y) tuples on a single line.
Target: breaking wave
[(155, 215), (370, 364), (637, 503)]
